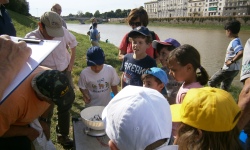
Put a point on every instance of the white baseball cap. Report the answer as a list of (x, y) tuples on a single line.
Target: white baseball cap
[(137, 117)]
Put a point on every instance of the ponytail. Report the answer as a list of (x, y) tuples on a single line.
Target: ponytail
[(202, 76)]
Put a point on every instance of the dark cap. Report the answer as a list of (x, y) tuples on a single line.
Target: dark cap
[(141, 30), (54, 85), (169, 41), (95, 56)]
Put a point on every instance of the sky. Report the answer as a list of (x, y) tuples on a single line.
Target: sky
[(38, 7)]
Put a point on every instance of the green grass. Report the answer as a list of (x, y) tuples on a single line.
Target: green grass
[(24, 25)]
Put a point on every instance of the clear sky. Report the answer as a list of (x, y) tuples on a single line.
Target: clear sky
[(38, 7)]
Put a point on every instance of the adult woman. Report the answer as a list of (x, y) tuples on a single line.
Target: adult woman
[(137, 17)]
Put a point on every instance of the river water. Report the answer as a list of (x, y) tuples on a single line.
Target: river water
[(211, 44)]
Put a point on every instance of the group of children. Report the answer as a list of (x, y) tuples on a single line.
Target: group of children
[(178, 72), (181, 71)]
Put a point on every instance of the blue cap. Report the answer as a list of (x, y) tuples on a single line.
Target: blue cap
[(160, 74), (169, 41), (95, 56), (141, 29)]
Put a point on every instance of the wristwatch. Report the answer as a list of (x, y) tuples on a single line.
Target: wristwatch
[(44, 120), (232, 61)]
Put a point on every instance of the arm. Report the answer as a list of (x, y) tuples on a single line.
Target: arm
[(122, 80), (13, 131), (114, 89), (236, 57), (244, 104), (72, 59), (12, 58), (123, 48), (182, 97), (86, 96), (121, 55)]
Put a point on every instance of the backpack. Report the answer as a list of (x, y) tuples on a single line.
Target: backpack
[(153, 38)]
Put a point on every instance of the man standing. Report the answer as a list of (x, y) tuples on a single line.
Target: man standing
[(50, 28), (6, 25), (58, 9)]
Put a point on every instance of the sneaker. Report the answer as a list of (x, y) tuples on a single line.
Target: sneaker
[(65, 141)]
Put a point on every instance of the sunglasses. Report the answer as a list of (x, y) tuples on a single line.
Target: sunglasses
[(135, 24)]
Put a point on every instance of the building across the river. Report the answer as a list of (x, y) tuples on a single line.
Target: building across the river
[(191, 8)]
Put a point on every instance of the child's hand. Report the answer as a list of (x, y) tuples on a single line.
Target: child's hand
[(86, 100)]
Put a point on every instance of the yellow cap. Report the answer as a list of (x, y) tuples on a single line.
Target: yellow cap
[(209, 109)]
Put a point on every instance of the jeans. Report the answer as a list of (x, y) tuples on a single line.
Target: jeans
[(224, 78), (15, 143)]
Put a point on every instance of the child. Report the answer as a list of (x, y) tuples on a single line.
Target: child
[(155, 78), (94, 35), (134, 63), (163, 49), (136, 17), (231, 67), (183, 63), (208, 119), (98, 79), (138, 118)]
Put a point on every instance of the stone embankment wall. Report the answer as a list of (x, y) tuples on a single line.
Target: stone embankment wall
[(245, 20)]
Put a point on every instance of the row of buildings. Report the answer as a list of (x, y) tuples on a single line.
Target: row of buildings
[(192, 8)]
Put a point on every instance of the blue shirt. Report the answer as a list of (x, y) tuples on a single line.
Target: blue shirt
[(133, 69), (93, 34), (6, 25)]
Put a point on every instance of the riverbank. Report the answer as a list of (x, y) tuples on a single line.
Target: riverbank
[(25, 24)]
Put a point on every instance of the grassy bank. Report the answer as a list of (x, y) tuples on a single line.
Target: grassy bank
[(24, 25)]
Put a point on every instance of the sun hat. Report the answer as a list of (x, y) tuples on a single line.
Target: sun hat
[(209, 109), (158, 73), (95, 56), (55, 86), (141, 29), (53, 24), (137, 117), (169, 41)]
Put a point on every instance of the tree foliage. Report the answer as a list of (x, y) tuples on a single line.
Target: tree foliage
[(97, 13), (19, 6), (111, 14)]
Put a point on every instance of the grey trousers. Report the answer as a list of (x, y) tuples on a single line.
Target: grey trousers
[(223, 78)]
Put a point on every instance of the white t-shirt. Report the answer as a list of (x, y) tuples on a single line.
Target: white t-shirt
[(99, 84)]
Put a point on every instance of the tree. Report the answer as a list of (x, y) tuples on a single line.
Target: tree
[(80, 14), (97, 13), (88, 14), (19, 6)]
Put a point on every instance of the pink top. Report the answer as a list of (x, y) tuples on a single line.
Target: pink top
[(183, 90)]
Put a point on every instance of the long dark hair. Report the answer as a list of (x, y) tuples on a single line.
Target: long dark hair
[(186, 54)]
